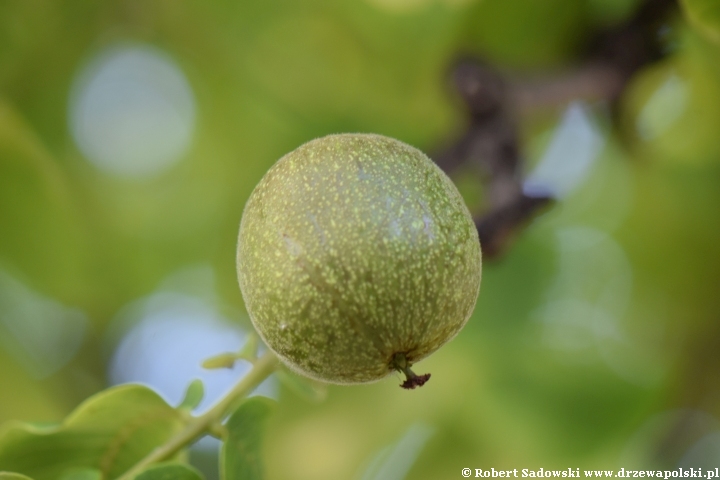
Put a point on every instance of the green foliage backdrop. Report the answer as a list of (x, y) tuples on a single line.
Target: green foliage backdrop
[(595, 337)]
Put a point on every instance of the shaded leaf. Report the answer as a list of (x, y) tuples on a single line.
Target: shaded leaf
[(240, 458), (13, 476), (704, 15), (169, 471), (110, 431)]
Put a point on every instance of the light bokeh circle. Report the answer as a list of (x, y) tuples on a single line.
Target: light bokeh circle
[(132, 111)]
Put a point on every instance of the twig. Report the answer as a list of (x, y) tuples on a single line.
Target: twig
[(204, 424)]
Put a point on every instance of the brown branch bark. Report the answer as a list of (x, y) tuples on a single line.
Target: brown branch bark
[(490, 144)]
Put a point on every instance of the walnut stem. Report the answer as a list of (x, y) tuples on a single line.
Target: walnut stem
[(400, 363)]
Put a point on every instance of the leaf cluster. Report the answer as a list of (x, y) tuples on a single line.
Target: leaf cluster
[(112, 432)]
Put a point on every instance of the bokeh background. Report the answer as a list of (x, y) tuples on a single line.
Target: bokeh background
[(132, 132)]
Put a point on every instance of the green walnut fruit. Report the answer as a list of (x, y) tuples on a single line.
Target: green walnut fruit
[(357, 257)]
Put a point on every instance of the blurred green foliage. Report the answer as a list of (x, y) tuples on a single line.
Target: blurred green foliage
[(537, 378)]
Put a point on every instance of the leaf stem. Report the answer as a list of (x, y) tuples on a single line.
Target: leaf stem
[(199, 426)]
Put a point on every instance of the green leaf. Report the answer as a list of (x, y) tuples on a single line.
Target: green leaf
[(13, 476), (224, 360), (394, 462), (82, 474), (110, 431), (240, 457), (704, 15), (193, 395), (249, 351), (305, 388), (169, 471)]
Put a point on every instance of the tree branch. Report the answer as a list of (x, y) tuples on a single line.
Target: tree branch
[(197, 427), (490, 145)]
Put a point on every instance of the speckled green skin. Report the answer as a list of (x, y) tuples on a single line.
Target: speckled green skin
[(353, 248)]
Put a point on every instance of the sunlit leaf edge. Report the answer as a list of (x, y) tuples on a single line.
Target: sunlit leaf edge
[(80, 411)]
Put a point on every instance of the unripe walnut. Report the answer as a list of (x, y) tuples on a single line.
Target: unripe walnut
[(357, 257)]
